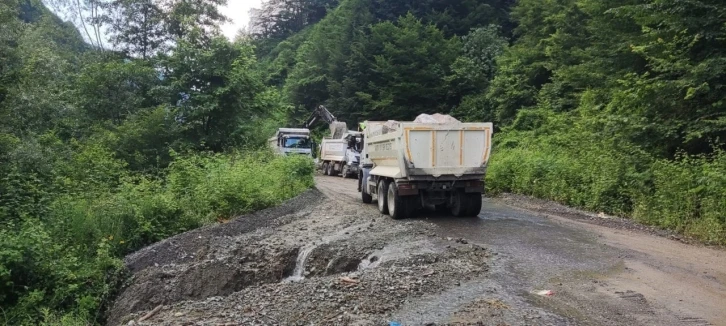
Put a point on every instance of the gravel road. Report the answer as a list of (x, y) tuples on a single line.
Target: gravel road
[(324, 258)]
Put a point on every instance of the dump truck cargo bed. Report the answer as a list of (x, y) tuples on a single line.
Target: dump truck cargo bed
[(411, 165), (419, 150)]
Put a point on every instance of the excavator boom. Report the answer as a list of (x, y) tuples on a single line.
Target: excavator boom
[(337, 128)]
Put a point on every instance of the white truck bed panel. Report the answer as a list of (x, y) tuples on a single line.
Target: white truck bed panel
[(431, 149), (333, 150)]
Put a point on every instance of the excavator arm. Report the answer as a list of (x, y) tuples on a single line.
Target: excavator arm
[(337, 128), (320, 112)]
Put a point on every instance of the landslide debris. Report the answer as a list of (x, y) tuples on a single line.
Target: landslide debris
[(358, 267)]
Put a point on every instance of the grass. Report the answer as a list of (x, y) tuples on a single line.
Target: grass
[(63, 267), (686, 194)]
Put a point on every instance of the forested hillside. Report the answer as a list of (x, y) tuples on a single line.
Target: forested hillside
[(106, 150), (108, 146), (617, 106)]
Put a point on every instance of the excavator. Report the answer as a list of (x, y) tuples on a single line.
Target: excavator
[(339, 153), (289, 141), (338, 129)]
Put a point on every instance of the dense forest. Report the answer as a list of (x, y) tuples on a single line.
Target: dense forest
[(143, 121), (616, 106), (106, 149)]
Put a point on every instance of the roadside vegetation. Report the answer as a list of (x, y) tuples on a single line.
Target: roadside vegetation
[(108, 146), (104, 152), (616, 107)]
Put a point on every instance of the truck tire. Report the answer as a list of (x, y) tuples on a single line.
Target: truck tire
[(325, 168), (382, 194), (459, 204), (365, 196), (474, 204), (344, 174), (332, 169), (398, 207)]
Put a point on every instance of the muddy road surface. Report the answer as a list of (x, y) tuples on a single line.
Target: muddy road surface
[(325, 258)]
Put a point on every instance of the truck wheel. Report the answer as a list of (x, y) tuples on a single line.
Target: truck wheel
[(382, 191), (367, 198), (474, 200), (344, 174), (398, 207), (325, 168), (332, 169), (459, 204)]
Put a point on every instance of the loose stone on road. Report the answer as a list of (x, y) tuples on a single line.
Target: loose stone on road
[(325, 258)]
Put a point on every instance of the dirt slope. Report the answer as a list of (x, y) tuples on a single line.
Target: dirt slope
[(325, 258), (238, 274)]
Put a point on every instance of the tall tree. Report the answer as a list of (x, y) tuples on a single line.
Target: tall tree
[(194, 21), (113, 90), (137, 27), (474, 69), (218, 90), (281, 18), (411, 61), (12, 27)]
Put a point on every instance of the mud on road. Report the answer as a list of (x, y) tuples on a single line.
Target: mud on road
[(324, 258)]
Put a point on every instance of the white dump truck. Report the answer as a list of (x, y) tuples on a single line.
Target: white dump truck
[(409, 165), (292, 141), (341, 156)]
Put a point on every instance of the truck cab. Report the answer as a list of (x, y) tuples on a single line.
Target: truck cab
[(292, 141)]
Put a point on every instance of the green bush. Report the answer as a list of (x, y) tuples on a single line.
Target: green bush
[(686, 195), (62, 267), (689, 195), (38, 271), (219, 186)]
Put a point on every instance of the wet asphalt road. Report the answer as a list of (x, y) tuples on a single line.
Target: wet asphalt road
[(598, 276)]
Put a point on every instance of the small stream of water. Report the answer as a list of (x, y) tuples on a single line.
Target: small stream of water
[(302, 257)]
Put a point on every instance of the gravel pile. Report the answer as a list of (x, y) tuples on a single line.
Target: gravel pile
[(359, 267)]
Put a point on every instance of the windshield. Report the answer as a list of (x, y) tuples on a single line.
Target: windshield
[(297, 143)]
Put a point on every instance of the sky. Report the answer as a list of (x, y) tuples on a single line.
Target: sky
[(239, 12)]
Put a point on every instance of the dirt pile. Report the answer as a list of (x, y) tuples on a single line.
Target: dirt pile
[(329, 262), (363, 297), (211, 261)]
